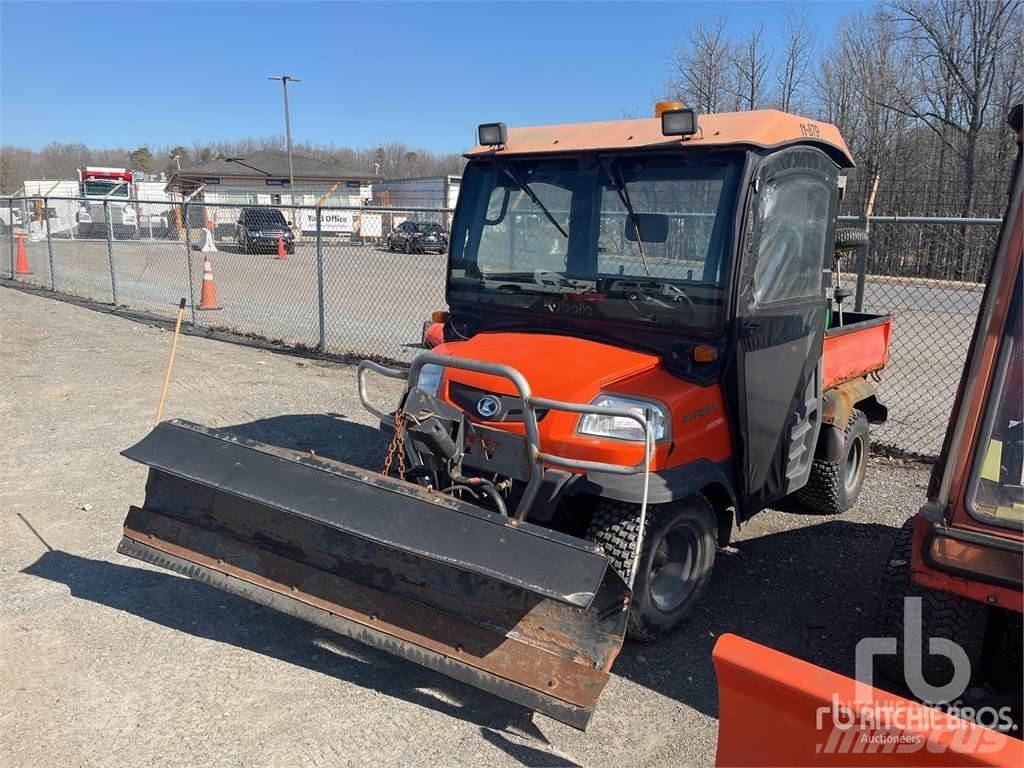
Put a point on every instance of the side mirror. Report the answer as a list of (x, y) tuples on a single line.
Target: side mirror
[(653, 227)]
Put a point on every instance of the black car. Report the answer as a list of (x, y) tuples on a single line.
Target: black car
[(260, 229), (418, 237)]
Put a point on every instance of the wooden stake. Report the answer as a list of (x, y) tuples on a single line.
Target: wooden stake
[(170, 362), (871, 200)]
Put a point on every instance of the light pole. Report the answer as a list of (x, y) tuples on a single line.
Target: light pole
[(288, 128)]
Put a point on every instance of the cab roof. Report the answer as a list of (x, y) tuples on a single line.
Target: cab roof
[(762, 128)]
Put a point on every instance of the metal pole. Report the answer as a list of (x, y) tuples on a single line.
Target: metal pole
[(10, 230), (862, 252), (862, 268), (110, 250), (188, 259), (288, 136), (320, 283), (49, 243)]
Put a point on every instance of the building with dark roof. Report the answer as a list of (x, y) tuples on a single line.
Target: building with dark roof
[(262, 178)]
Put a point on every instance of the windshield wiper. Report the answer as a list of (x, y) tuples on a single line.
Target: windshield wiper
[(536, 200), (623, 193)]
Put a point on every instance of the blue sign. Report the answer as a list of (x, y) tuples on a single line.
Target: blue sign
[(210, 181), (277, 182)]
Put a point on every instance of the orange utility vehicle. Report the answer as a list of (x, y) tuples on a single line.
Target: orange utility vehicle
[(961, 555), (640, 354)]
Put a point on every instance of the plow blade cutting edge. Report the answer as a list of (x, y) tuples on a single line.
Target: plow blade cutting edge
[(529, 614)]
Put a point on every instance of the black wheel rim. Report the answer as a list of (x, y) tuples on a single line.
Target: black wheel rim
[(675, 566), (853, 465)]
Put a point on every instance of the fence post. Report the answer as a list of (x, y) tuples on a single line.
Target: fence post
[(10, 230), (320, 283), (188, 259), (49, 242), (110, 250), (862, 267)]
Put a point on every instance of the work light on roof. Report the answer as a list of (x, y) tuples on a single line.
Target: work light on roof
[(492, 134), (679, 122)]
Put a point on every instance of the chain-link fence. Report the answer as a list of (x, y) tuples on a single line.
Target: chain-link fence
[(353, 281)]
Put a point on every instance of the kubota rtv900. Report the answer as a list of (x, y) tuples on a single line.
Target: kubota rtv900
[(640, 353)]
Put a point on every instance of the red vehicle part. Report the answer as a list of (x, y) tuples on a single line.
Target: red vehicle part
[(855, 350), (775, 710)]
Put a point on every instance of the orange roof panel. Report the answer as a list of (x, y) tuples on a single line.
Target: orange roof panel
[(759, 128)]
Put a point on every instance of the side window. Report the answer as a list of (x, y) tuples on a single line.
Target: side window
[(793, 222), (997, 478)]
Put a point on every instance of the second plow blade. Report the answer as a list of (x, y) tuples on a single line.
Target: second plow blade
[(529, 614)]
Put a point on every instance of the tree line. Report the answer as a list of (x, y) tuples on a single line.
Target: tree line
[(61, 161), (919, 89)]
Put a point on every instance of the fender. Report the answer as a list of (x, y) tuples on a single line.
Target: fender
[(665, 486), (838, 404)]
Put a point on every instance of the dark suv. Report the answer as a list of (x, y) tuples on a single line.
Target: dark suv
[(259, 229), (418, 237)]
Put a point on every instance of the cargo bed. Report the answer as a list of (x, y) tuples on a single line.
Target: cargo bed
[(856, 348)]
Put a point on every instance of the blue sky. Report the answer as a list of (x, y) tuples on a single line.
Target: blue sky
[(422, 73)]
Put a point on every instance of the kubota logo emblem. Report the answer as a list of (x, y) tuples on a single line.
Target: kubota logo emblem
[(488, 406)]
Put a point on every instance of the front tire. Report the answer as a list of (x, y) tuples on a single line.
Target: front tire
[(942, 615), (675, 565), (834, 487)]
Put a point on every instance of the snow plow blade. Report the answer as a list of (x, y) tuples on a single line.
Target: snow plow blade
[(529, 614)]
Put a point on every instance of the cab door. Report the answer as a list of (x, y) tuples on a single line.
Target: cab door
[(784, 269)]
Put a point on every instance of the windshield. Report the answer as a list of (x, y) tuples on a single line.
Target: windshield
[(625, 238), (264, 218), (95, 188), (431, 228)]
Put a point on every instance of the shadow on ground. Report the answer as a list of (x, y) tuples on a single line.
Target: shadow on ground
[(202, 611), (330, 435), (808, 592)]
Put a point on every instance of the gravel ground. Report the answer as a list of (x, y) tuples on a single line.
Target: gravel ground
[(105, 661)]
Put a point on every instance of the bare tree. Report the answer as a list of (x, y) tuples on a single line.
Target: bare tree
[(960, 48), (795, 59), (751, 62), (700, 73)]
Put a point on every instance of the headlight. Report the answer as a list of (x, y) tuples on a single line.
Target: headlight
[(620, 427), (430, 378)]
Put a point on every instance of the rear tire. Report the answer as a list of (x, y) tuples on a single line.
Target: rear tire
[(942, 615), (834, 487), (675, 565)]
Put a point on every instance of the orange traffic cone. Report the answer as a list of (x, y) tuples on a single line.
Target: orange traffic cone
[(208, 294), (21, 266), (281, 254)]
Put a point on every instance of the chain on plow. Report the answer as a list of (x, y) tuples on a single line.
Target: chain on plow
[(396, 449)]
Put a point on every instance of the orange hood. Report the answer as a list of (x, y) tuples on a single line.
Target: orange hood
[(557, 367)]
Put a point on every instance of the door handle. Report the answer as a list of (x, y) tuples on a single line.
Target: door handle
[(751, 327)]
